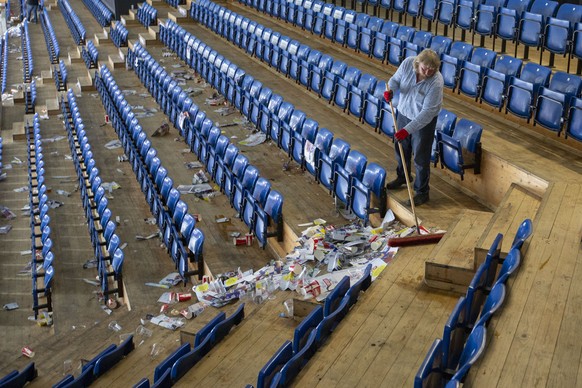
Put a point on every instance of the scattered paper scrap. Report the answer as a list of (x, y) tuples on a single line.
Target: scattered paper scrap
[(11, 306), (254, 140), (113, 144)]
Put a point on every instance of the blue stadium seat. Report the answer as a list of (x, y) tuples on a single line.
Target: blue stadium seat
[(464, 143)]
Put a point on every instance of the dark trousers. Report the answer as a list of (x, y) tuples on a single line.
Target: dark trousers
[(419, 145)]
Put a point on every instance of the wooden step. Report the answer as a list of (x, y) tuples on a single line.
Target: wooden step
[(85, 84), (116, 62), (75, 56), (452, 263), (154, 31), (18, 132), (148, 40), (102, 39), (46, 76), (18, 97), (52, 106), (518, 204), (180, 16)]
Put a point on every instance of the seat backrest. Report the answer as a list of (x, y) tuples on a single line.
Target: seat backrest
[(473, 349), (535, 74), (441, 44), (274, 365), (566, 83), (239, 165), (339, 151), (546, 8), (205, 331), (274, 205), (304, 329), (510, 264), (483, 57), (446, 121), (492, 303), (223, 328), (461, 50), (570, 12), (196, 243), (468, 134), (335, 296), (518, 5), (508, 65), (374, 178), (523, 232)]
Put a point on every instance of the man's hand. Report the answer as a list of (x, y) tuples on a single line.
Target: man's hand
[(388, 94), (401, 135)]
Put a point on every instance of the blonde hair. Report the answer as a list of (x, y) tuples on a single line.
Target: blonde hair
[(429, 58)]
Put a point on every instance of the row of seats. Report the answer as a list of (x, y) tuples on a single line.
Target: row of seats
[(73, 22), (352, 182), (100, 221), (100, 12), (90, 55), (175, 3), (184, 242), (52, 44), (186, 356), (358, 94), (98, 365), (249, 194), (4, 61), (27, 62), (60, 76), (312, 332), (147, 15), (30, 97), (41, 244), (118, 34), (464, 335), (19, 379)]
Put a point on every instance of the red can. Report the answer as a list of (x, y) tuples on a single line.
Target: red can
[(249, 239), (106, 118), (239, 241), (182, 297)]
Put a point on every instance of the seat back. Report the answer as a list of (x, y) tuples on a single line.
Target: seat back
[(334, 298), (574, 125), (454, 335), (223, 328), (304, 329), (468, 134), (523, 232), (274, 365), (509, 266)]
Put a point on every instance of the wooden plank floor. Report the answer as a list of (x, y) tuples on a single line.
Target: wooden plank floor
[(384, 338)]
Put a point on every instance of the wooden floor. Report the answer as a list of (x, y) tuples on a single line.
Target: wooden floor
[(535, 341)]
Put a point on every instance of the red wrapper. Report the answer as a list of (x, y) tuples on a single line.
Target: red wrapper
[(182, 297)]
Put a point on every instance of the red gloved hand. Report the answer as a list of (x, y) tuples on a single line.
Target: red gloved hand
[(388, 94), (401, 135)]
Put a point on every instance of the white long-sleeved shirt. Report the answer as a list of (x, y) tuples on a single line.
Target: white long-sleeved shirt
[(419, 101)]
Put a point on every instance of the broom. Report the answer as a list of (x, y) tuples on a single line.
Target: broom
[(418, 238)]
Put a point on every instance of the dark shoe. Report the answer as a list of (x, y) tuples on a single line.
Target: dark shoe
[(419, 199), (396, 183)]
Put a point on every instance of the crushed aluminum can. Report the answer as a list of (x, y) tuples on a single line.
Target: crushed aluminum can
[(249, 239), (27, 352), (239, 241), (182, 297)]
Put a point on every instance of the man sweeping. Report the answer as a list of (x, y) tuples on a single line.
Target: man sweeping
[(421, 95)]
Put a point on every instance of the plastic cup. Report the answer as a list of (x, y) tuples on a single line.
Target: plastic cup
[(113, 325), (156, 350), (143, 331), (67, 367)]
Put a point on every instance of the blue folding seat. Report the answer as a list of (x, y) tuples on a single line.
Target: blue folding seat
[(209, 142), (321, 144), (240, 91), (451, 63), (420, 41), (496, 80), (326, 162), (239, 165), (381, 38), (574, 122), (249, 97), (386, 124), (474, 348), (446, 14), (387, 5), (396, 44), (428, 12), (274, 365), (243, 185), (465, 143), (317, 73), (372, 182), (576, 48), (300, 138), (334, 298), (321, 15), (350, 78), (331, 21), (431, 371), (301, 12), (558, 31), (288, 129), (271, 215), (464, 17), (454, 336), (550, 110), (357, 94), (291, 369), (311, 15), (373, 102), (344, 176), (330, 78), (270, 39), (506, 22), (446, 121), (330, 322), (440, 44), (355, 30), (400, 7), (470, 77), (509, 266), (305, 67), (254, 199), (485, 19), (286, 55), (531, 25), (277, 121), (296, 59), (367, 35), (340, 33)]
